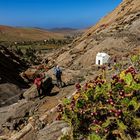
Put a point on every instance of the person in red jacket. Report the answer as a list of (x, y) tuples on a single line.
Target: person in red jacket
[(38, 83)]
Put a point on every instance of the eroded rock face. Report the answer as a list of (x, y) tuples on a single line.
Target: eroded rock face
[(15, 111), (52, 131), (11, 82), (9, 94), (31, 93), (10, 67)]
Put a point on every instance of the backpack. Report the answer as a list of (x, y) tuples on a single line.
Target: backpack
[(58, 72)]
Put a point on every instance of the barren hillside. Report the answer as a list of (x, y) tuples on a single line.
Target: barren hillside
[(68, 31), (23, 34), (127, 11), (117, 34)]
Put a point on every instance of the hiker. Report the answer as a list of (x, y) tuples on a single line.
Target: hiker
[(58, 73), (47, 86), (38, 83)]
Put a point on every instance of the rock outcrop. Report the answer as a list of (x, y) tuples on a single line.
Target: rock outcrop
[(11, 83), (9, 94), (52, 132), (10, 115), (10, 67)]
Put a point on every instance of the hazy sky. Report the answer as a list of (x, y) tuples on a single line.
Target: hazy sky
[(54, 13)]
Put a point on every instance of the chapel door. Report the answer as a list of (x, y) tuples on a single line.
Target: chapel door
[(99, 62)]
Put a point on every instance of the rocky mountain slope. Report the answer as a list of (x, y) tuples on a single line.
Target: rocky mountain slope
[(10, 67), (122, 16), (10, 81), (24, 34), (116, 34)]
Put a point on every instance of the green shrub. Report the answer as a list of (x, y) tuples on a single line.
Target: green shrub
[(105, 110)]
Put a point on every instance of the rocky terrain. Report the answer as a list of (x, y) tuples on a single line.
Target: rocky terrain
[(10, 81), (116, 34), (11, 65)]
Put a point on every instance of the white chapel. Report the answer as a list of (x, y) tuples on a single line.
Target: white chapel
[(102, 58)]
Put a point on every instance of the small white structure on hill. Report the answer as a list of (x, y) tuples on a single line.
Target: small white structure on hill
[(102, 58)]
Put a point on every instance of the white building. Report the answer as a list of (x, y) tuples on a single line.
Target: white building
[(102, 58)]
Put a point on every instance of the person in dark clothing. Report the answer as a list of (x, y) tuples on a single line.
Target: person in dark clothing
[(47, 86), (58, 73)]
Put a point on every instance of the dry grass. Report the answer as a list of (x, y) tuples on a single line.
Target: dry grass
[(26, 34)]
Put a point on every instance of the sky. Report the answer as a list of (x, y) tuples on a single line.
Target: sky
[(54, 13)]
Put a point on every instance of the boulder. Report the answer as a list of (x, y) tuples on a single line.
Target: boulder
[(14, 111), (30, 93), (69, 77), (29, 74), (52, 131), (9, 94)]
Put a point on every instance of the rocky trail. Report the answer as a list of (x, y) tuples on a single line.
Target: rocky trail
[(47, 113), (29, 118), (16, 117)]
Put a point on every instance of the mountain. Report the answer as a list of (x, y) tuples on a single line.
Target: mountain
[(123, 15), (8, 33), (67, 31), (117, 34), (62, 29)]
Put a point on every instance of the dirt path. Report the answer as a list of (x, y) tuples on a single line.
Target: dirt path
[(47, 103), (51, 101)]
